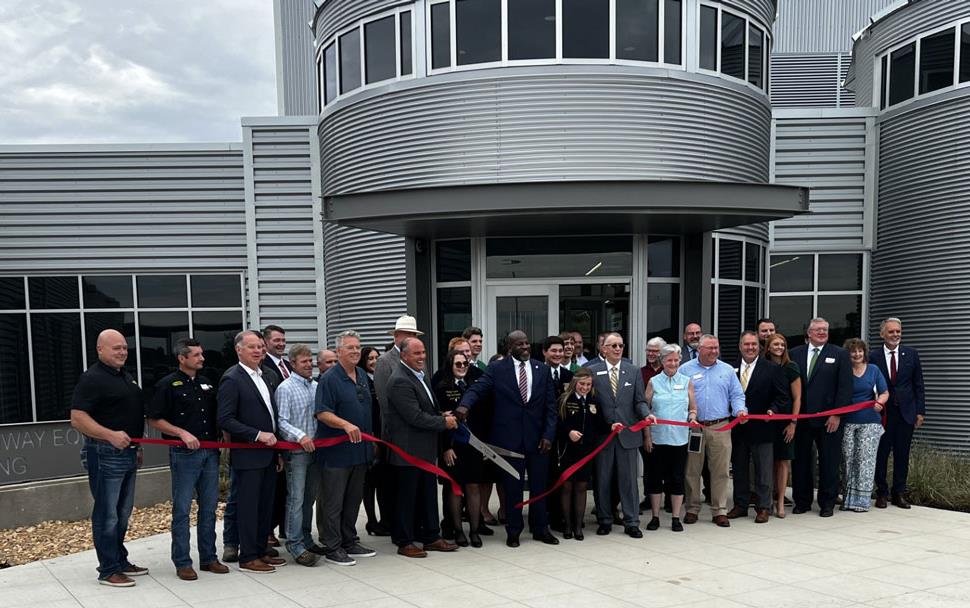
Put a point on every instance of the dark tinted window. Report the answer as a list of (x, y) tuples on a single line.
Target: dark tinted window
[(96, 322), (752, 307), (902, 73), (406, 61), (12, 295), (792, 273), (454, 315), (159, 331), (379, 53), (755, 56), (965, 52), (107, 292), (532, 29), (56, 342), (729, 321), (453, 260), (844, 314), (216, 291), (637, 27), (791, 315), (663, 257), (672, 31), (216, 331), (53, 292), (478, 29), (330, 72), (663, 310), (884, 70), (162, 291), (586, 29), (350, 61), (440, 35), (14, 370), (732, 45), (730, 260), (708, 41), (936, 61), (557, 257), (840, 272), (752, 263)]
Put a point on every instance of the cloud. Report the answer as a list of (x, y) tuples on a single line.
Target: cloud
[(100, 71)]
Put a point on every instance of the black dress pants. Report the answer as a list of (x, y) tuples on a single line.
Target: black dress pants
[(538, 467), (416, 512), (254, 508), (897, 439), (829, 448)]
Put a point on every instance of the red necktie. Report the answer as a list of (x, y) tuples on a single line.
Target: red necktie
[(523, 383), (892, 367), (286, 372)]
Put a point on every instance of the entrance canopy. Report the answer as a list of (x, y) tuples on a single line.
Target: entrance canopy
[(566, 208)]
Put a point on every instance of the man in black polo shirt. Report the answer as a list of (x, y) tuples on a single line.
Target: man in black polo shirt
[(184, 408), (107, 408)]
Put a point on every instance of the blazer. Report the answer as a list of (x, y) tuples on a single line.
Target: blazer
[(830, 385), (413, 419), (908, 392), (271, 374), (630, 404), (516, 426), (768, 389), (242, 414), (565, 377), (386, 364)]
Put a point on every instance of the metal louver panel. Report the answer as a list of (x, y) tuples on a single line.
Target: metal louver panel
[(805, 81), (296, 82), (366, 283), (921, 266), (69, 208), (827, 153)]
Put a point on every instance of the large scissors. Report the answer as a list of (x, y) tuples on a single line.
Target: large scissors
[(491, 452)]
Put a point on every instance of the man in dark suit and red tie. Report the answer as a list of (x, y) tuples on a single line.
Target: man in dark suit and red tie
[(905, 411), (524, 422), (826, 384), (247, 411)]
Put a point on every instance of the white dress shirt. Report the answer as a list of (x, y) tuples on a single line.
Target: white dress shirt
[(257, 377)]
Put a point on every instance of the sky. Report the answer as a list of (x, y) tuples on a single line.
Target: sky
[(144, 71)]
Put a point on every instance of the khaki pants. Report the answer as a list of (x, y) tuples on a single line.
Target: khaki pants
[(717, 447)]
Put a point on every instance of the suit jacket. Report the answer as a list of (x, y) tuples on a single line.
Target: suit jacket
[(413, 419), (630, 404), (767, 389), (565, 377), (272, 374), (386, 364), (516, 426), (830, 385), (907, 392), (242, 414)]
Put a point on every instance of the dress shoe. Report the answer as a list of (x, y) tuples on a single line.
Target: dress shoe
[(737, 512), (273, 541), (721, 521), (881, 502), (690, 518), (441, 545), (633, 532), (215, 568), (900, 501), (474, 540), (412, 551), (604, 529), (230, 553), (133, 570), (484, 530), (460, 539), (761, 517), (826, 512), (377, 529), (567, 534), (257, 566), (512, 541), (273, 561), (654, 524), (186, 574), (307, 559), (675, 525), (800, 510), (546, 537), (272, 552), (116, 580), (578, 534)]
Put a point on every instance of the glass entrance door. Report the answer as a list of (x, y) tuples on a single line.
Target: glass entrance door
[(532, 308)]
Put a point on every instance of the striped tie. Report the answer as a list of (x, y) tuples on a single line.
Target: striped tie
[(745, 373), (614, 380), (523, 383)]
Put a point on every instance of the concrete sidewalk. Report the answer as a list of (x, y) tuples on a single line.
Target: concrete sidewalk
[(886, 558)]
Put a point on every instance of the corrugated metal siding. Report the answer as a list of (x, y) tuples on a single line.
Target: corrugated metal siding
[(762, 10), (283, 214), (905, 23), (756, 231), (114, 208), (822, 26), (921, 266), (296, 82), (366, 282), (563, 123), (827, 154), (335, 14)]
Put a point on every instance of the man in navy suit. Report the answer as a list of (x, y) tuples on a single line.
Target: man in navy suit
[(247, 411), (524, 422), (826, 384), (904, 412)]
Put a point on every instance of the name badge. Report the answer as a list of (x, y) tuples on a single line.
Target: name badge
[(830, 359), (698, 376), (678, 387), (602, 373), (205, 387), (625, 384)]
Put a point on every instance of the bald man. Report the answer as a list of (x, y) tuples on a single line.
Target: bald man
[(107, 408), (325, 360)]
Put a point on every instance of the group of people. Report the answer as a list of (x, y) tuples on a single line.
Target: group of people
[(543, 408)]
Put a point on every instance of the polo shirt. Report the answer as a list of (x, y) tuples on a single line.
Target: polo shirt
[(341, 396), (112, 398), (187, 403)]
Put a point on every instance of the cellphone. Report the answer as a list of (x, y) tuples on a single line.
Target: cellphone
[(695, 442)]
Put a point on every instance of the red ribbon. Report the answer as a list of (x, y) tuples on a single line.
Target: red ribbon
[(320, 443), (571, 470)]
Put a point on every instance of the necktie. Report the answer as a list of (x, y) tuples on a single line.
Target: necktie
[(892, 367), (614, 380), (555, 376), (811, 364), (523, 383), (745, 373), (461, 385), (286, 372)]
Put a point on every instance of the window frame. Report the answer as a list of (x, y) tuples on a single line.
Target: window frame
[(766, 40), (744, 282)]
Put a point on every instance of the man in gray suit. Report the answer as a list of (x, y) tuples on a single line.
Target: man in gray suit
[(620, 392), (413, 423)]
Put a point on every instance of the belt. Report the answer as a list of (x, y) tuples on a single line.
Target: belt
[(713, 422)]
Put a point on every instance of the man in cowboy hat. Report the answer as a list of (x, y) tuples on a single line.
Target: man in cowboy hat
[(406, 327)]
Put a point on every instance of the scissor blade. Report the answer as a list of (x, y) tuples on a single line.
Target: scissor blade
[(490, 454), (504, 452)]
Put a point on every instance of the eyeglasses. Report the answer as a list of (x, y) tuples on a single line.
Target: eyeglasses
[(614, 346), (460, 364)]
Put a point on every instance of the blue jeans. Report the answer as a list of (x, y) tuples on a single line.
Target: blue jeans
[(194, 472), (111, 476), (301, 492), (230, 533)]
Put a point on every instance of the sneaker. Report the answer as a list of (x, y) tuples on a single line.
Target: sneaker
[(339, 557), (117, 580), (359, 550)]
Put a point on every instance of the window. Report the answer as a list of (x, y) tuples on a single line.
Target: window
[(532, 29), (440, 35), (330, 73), (379, 53), (406, 60), (586, 29), (708, 38), (637, 29), (454, 307), (737, 290), (663, 257), (736, 48), (62, 330), (902, 73), (732, 45), (884, 81), (595, 256), (673, 18), (349, 61), (478, 31), (755, 56), (965, 52), (936, 61), (453, 261)]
